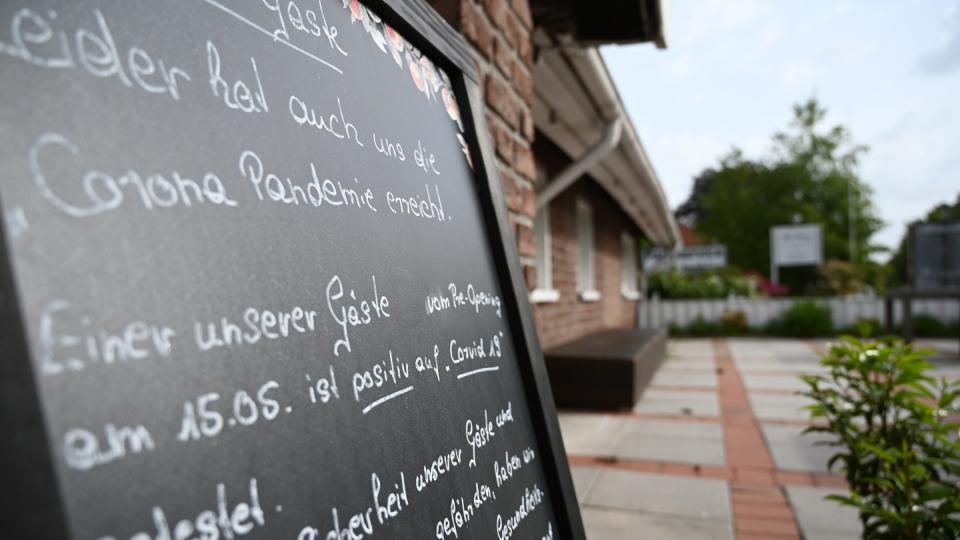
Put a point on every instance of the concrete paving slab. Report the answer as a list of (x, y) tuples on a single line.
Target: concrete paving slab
[(772, 382), (779, 407), (791, 450), (583, 480), (780, 364), (676, 441), (949, 346), (689, 362), (667, 377), (762, 347), (948, 372), (820, 519), (660, 493), (590, 434), (690, 347), (606, 524), (678, 402)]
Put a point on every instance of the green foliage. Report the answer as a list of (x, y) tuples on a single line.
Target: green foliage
[(862, 327), (927, 326), (735, 321), (841, 277), (714, 284), (805, 318), (889, 421), (942, 213), (805, 179), (732, 324)]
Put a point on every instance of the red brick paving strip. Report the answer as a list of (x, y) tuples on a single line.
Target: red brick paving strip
[(760, 505)]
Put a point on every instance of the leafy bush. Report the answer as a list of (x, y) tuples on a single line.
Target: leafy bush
[(804, 318), (896, 445), (700, 327), (927, 326), (715, 284), (840, 277), (734, 322), (863, 326)]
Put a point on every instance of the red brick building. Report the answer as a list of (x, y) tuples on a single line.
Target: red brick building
[(578, 184)]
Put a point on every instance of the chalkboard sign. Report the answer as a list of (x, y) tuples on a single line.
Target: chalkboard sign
[(257, 281)]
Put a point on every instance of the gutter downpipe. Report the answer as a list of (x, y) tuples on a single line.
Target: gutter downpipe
[(569, 175)]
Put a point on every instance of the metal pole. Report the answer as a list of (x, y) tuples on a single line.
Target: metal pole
[(773, 259), (851, 221)]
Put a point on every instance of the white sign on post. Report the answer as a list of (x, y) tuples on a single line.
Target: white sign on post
[(688, 258), (795, 245)]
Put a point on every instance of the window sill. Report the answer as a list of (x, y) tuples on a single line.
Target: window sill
[(591, 295), (633, 295), (544, 296)]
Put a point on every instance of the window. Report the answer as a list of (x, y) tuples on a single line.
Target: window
[(544, 292), (586, 271), (628, 274)]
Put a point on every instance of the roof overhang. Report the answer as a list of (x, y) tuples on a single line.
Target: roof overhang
[(575, 100), (590, 22)]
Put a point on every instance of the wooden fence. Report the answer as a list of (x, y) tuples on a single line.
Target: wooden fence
[(845, 310)]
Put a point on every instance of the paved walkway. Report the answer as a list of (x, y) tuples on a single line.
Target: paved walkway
[(714, 449)]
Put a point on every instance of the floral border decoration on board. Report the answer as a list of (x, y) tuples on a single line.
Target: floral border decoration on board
[(430, 80)]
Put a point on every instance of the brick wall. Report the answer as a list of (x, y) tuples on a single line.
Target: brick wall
[(570, 317), (499, 32)]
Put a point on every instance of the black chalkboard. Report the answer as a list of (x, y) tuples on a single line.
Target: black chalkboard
[(257, 281)]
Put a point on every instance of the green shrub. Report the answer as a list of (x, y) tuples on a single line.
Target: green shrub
[(865, 327), (928, 326), (805, 318), (734, 322), (896, 445), (700, 327), (715, 284)]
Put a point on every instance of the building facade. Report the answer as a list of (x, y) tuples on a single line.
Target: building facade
[(576, 180)]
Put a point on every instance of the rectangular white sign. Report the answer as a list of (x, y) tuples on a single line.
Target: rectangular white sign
[(688, 258), (796, 245)]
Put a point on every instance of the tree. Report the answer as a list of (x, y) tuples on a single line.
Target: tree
[(691, 211), (942, 213), (805, 179)]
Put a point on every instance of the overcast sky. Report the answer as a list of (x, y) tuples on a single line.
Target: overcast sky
[(888, 70)]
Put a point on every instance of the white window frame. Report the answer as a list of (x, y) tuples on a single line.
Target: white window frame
[(628, 272), (544, 291), (586, 253)]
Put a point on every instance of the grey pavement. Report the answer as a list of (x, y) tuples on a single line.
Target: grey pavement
[(668, 440), (770, 347), (609, 436), (689, 362), (692, 379), (779, 407), (821, 519), (621, 503), (772, 382), (628, 504), (679, 403), (690, 348), (590, 434), (791, 450)]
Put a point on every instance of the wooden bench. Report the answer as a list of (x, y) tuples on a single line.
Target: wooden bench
[(605, 370)]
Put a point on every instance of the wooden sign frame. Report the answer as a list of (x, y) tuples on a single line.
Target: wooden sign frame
[(31, 497)]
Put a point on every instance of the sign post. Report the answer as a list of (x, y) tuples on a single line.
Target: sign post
[(795, 245), (257, 280)]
